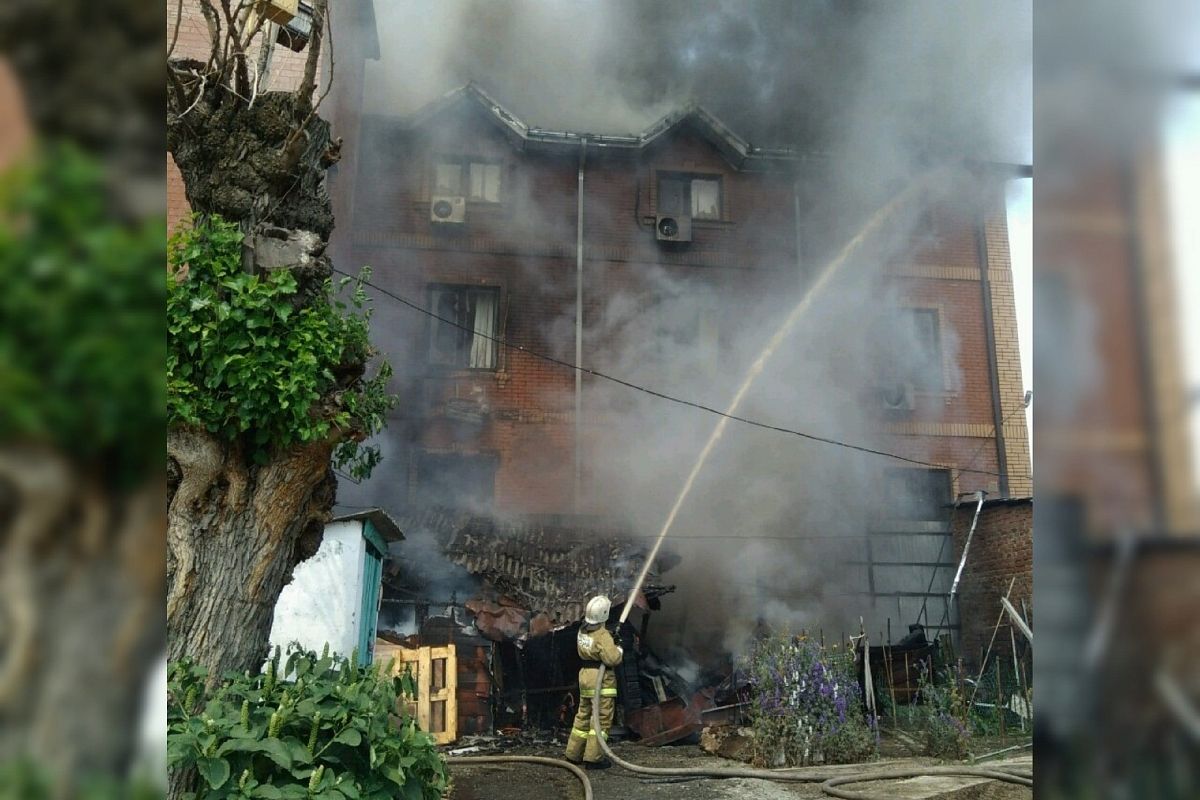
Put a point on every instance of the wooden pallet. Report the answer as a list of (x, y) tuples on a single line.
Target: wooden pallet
[(435, 670)]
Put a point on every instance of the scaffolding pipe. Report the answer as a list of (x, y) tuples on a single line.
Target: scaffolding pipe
[(962, 562)]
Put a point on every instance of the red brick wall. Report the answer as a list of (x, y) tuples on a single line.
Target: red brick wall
[(1001, 550), (526, 246)]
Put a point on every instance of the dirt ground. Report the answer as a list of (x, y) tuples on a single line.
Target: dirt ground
[(533, 782)]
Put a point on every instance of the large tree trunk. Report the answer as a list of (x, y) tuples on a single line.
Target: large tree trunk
[(80, 613), (235, 532), (237, 529)]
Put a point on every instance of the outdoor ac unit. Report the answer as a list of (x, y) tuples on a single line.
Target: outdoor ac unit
[(673, 228), (295, 33), (448, 210), (278, 11), (898, 396)]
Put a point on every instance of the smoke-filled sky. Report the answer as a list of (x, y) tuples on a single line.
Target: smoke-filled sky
[(953, 76), (886, 91)]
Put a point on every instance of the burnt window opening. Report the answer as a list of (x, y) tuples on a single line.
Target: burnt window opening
[(918, 494), (697, 196), (919, 331), (475, 179), (469, 325), (456, 480)]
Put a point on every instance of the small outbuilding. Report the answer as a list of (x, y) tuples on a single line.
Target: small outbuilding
[(334, 596)]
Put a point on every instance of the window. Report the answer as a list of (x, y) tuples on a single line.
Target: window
[(467, 340), (918, 494), (457, 480), (920, 335), (686, 338), (478, 181), (694, 195)]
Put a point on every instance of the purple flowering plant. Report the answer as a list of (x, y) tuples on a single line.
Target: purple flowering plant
[(943, 715), (806, 704)]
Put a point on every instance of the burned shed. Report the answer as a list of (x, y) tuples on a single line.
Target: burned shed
[(508, 595)]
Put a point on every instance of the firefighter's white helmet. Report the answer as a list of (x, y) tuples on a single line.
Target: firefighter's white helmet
[(597, 610)]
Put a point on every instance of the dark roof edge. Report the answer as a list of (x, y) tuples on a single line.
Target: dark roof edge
[(738, 150), (383, 522)]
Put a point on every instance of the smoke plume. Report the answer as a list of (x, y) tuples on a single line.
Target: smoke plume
[(878, 95)]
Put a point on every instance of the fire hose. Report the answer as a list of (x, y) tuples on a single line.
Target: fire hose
[(829, 783), (561, 763)]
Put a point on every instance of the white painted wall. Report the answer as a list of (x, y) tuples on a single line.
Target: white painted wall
[(323, 603)]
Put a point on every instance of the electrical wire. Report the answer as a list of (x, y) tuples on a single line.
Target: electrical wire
[(654, 393)]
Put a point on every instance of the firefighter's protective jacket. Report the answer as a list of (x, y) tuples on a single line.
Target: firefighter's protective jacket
[(596, 647)]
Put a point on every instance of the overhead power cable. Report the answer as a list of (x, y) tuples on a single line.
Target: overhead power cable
[(654, 393)]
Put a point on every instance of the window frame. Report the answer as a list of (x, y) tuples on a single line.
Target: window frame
[(689, 177), (431, 329), (940, 386), (464, 164)]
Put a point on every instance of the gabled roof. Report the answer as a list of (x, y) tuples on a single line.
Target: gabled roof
[(738, 151), (383, 522)]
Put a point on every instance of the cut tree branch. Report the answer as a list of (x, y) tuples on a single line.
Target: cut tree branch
[(309, 82)]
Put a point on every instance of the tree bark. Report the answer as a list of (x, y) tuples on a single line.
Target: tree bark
[(80, 613), (235, 532)]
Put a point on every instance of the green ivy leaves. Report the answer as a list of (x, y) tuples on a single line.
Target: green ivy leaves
[(251, 359)]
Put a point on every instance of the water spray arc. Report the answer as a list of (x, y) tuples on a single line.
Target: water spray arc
[(785, 329), (829, 783)]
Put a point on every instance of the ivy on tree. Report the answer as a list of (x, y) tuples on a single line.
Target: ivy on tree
[(252, 360)]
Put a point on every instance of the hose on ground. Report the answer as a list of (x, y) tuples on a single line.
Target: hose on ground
[(829, 783), (546, 762)]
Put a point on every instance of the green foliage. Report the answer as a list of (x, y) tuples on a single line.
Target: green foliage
[(943, 716), (21, 779), (82, 350), (252, 359), (806, 705), (330, 732)]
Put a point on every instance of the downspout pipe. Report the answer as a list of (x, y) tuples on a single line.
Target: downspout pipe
[(799, 235), (989, 335), (962, 562), (579, 329)]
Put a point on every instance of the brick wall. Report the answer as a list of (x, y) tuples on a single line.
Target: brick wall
[(526, 247), (1001, 550)]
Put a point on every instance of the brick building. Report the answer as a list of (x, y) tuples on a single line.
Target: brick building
[(471, 214), (474, 215), (511, 198)]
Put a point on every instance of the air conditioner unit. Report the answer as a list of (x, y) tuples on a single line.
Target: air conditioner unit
[(295, 33), (673, 228), (448, 210), (899, 396)]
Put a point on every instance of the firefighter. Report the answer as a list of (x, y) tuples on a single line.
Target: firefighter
[(595, 646)]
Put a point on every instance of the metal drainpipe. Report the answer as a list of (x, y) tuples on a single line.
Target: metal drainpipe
[(579, 329), (962, 562), (989, 333), (799, 236)]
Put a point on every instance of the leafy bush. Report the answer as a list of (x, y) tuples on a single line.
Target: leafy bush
[(332, 732), (253, 359), (806, 705), (943, 715), (21, 779), (82, 350)]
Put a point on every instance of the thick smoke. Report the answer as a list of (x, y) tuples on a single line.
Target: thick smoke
[(882, 94)]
